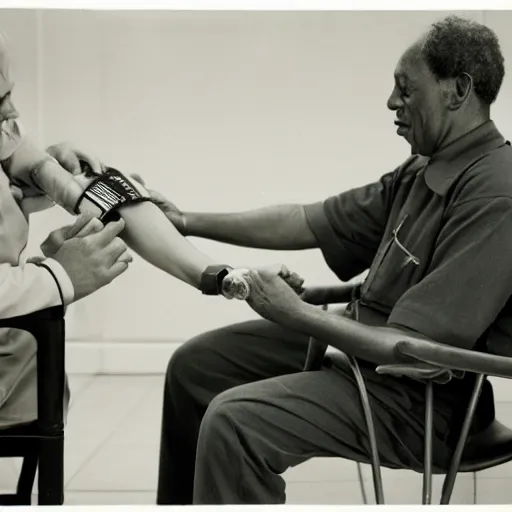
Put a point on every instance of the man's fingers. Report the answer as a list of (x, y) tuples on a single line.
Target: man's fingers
[(126, 257), (95, 164), (117, 269), (138, 178), (93, 226), (81, 221), (294, 280), (70, 162), (108, 233), (115, 250), (53, 242), (294, 277), (276, 269)]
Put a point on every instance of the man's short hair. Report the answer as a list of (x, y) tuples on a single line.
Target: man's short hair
[(456, 45)]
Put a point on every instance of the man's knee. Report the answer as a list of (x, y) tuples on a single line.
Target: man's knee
[(223, 416), (185, 364), (202, 355), (235, 412)]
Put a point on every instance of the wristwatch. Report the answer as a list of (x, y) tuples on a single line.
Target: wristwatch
[(211, 279)]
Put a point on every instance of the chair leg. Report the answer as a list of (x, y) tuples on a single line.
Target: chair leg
[(427, 456), (26, 479), (51, 471), (449, 481), (374, 453), (361, 483)]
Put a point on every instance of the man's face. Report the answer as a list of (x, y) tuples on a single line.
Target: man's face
[(7, 109), (10, 135), (420, 104)]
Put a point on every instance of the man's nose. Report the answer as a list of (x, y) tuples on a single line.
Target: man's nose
[(394, 102), (8, 110)]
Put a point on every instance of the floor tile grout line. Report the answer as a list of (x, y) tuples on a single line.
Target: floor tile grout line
[(112, 491), (109, 436), (85, 387), (291, 482)]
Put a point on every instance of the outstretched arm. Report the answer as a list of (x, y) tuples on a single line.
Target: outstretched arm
[(147, 232), (280, 227)]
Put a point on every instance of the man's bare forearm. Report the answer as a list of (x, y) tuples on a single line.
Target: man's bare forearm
[(283, 227)]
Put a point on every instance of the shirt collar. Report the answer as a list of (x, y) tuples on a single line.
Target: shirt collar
[(444, 167)]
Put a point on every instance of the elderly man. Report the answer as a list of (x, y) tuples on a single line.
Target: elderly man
[(436, 236), (75, 261)]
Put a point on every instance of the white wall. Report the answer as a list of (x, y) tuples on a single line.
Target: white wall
[(221, 111)]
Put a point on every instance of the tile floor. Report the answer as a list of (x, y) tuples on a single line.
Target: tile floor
[(112, 452)]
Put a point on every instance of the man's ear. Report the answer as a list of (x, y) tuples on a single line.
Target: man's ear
[(459, 90)]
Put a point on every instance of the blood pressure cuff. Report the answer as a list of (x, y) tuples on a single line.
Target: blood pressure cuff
[(108, 192)]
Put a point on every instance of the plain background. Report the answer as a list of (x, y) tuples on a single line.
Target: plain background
[(220, 111)]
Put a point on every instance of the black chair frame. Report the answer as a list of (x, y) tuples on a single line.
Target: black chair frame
[(472, 453), (41, 444)]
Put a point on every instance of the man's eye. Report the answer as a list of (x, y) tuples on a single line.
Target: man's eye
[(4, 98)]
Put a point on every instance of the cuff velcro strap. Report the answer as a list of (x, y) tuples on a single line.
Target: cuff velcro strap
[(108, 192)]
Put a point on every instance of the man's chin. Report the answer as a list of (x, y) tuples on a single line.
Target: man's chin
[(415, 150), (414, 147)]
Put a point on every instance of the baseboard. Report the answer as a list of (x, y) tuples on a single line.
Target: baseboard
[(143, 358), (118, 357)]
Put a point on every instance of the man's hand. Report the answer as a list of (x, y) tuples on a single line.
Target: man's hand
[(69, 157), (170, 210), (272, 297), (84, 225), (94, 260)]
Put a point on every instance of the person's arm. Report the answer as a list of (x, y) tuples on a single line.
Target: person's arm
[(28, 288), (468, 284), (347, 228), (155, 239), (27, 161), (279, 227), (147, 230), (373, 344)]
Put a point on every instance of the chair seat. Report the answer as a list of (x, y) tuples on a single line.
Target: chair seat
[(489, 448)]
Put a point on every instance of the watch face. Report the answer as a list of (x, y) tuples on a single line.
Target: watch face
[(211, 280)]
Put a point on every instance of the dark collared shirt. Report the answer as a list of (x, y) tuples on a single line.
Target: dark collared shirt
[(436, 235)]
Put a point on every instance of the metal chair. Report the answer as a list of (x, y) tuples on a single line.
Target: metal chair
[(430, 360), (41, 444)]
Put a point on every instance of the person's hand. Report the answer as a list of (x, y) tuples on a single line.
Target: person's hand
[(170, 210), (69, 157), (293, 280), (272, 297), (84, 225), (94, 260), (29, 199)]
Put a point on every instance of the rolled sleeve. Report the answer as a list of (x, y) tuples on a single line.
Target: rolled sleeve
[(336, 251), (349, 227), (28, 288), (470, 278), (63, 280)]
